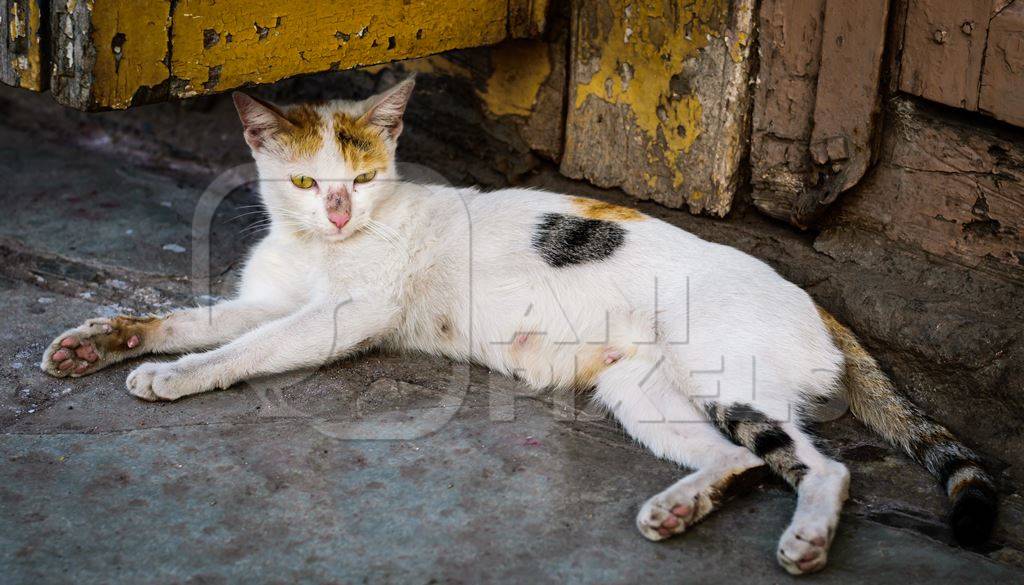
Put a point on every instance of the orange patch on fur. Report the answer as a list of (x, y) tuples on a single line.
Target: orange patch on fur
[(306, 133), (124, 328), (594, 209), (361, 144), (593, 360)]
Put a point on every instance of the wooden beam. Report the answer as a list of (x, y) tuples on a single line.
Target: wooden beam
[(24, 61), (1002, 81), (116, 53), (847, 103), (943, 49), (789, 41), (658, 100)]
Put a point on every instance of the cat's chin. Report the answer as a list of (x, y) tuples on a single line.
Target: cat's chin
[(335, 237)]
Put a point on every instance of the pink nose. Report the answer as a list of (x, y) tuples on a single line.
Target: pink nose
[(338, 219)]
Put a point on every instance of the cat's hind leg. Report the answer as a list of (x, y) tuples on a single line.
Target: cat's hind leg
[(660, 417), (821, 483)]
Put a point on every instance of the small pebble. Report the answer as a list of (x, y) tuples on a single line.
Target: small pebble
[(165, 203), (45, 300), (174, 248), (129, 232)]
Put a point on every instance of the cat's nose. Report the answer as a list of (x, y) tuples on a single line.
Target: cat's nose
[(339, 219)]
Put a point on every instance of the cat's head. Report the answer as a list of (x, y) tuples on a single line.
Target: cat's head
[(324, 167)]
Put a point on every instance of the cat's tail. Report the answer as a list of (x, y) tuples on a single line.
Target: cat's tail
[(876, 402)]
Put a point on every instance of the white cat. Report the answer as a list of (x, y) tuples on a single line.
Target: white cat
[(703, 353)]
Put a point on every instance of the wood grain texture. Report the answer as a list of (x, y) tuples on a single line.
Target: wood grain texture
[(790, 33), (659, 97), (948, 185), (943, 50), (117, 53), (847, 100), (24, 59), (1002, 80)]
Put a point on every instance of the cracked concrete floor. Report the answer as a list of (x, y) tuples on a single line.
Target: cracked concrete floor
[(294, 479)]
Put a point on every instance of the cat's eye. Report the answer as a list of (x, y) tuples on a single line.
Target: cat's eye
[(366, 177), (302, 181)]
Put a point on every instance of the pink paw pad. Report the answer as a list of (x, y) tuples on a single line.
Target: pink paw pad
[(679, 515)]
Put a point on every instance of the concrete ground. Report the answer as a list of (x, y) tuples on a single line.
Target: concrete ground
[(394, 468)]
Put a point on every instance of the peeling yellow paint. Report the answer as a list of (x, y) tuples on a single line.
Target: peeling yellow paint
[(130, 39), (520, 69), (23, 31), (639, 59), (225, 44), (641, 55), (737, 48)]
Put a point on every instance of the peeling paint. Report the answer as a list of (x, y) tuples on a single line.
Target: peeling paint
[(140, 61), (118, 53), (22, 63), (272, 40), (642, 39), (660, 99)]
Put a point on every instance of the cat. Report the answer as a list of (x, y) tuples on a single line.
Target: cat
[(557, 290)]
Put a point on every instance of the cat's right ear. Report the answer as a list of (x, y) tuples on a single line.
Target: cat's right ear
[(260, 119)]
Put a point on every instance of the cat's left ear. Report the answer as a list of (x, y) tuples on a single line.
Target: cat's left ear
[(260, 119), (387, 109)]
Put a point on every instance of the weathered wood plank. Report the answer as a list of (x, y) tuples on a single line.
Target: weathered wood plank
[(1002, 81), (233, 42), (943, 49), (846, 111), (948, 185), (116, 53), (24, 61), (790, 33), (109, 54), (659, 95), (527, 18)]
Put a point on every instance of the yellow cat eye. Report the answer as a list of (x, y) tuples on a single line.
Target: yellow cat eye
[(302, 181), (366, 177)]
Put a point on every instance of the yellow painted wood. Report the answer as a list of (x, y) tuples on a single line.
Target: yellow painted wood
[(659, 98), (116, 53), (231, 42), (130, 39), (23, 63)]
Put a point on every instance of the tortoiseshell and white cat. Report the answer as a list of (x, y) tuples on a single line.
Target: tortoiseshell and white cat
[(558, 290)]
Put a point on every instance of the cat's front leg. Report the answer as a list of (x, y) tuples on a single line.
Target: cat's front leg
[(313, 336), (105, 341)]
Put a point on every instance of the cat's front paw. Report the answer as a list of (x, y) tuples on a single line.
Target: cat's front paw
[(162, 381), (96, 344)]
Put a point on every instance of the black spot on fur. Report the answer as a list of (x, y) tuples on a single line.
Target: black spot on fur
[(769, 440), (565, 240), (974, 514)]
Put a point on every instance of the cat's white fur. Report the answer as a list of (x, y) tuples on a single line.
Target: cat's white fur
[(667, 322)]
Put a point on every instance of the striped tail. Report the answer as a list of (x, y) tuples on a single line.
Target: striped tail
[(874, 400)]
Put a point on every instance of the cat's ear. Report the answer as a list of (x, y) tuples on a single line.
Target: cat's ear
[(260, 119), (386, 110)]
